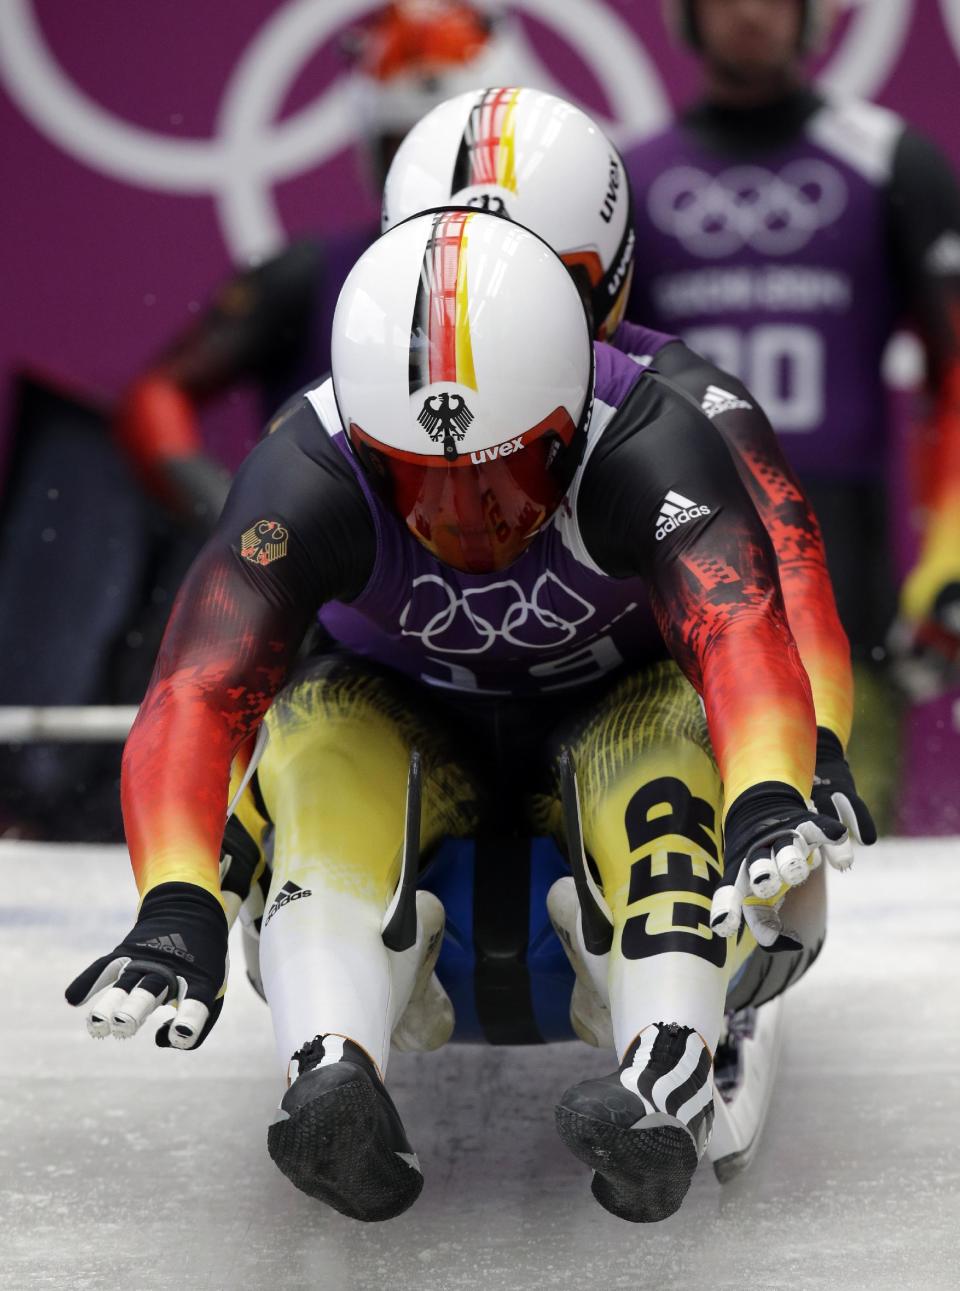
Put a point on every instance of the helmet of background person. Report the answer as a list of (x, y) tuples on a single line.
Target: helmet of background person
[(412, 54), (463, 373), (538, 160), (818, 18)]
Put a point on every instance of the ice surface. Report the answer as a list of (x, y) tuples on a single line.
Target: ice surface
[(124, 1166)]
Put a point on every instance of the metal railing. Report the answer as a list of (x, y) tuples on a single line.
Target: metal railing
[(89, 724)]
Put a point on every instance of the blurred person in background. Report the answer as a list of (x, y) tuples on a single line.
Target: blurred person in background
[(270, 324), (786, 236)]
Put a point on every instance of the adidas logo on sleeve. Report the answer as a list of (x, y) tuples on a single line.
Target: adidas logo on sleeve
[(717, 400), (676, 510), (289, 892)]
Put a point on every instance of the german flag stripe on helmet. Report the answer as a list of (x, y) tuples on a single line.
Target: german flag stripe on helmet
[(487, 150), (441, 348)]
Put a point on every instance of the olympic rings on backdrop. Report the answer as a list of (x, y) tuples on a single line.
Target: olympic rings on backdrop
[(747, 206), (252, 151)]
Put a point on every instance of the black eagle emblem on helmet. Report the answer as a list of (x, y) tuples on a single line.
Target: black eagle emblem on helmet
[(447, 417)]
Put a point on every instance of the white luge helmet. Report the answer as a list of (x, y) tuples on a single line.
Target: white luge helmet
[(463, 372), (818, 18), (538, 160)]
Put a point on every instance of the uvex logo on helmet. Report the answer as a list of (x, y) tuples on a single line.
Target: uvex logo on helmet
[(626, 259), (498, 450), (614, 180)]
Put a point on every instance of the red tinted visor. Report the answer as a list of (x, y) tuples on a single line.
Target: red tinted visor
[(479, 511)]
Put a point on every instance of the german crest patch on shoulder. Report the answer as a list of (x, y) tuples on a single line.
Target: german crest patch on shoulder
[(264, 542)]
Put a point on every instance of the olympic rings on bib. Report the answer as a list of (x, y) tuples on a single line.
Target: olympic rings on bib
[(747, 206)]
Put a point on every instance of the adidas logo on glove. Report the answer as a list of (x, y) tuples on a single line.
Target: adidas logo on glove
[(676, 510), (289, 892), (173, 944)]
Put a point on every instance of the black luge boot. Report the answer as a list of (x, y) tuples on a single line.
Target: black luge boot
[(644, 1128), (337, 1135)]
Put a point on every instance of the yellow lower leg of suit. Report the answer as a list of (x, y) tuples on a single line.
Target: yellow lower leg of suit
[(333, 781), (651, 803)]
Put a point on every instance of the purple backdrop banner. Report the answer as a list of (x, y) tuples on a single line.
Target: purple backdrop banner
[(147, 147)]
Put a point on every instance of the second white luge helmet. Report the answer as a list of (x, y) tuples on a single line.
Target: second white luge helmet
[(463, 372), (538, 160)]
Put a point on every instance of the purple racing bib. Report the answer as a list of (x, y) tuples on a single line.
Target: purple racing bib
[(774, 268)]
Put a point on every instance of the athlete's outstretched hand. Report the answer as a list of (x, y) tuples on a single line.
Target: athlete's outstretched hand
[(772, 843), (835, 794), (175, 954)]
